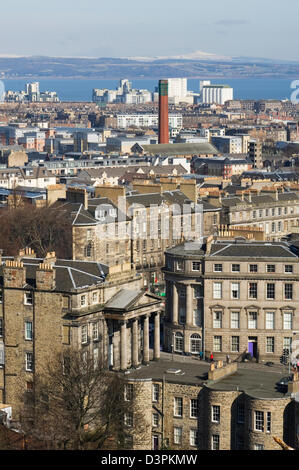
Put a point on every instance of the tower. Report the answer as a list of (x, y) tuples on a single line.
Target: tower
[(163, 112)]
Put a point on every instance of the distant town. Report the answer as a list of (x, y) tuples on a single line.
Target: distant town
[(150, 238)]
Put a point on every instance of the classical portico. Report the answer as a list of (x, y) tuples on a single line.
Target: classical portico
[(129, 314)]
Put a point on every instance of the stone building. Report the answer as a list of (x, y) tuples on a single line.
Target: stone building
[(49, 305), (274, 211), (231, 297), (130, 228), (197, 406)]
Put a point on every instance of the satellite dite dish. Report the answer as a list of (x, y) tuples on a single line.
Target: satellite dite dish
[(2, 91)]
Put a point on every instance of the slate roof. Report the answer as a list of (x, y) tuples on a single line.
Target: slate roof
[(123, 299), (145, 199), (251, 250), (181, 149), (70, 274)]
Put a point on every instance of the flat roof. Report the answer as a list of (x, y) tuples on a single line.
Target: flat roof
[(256, 380)]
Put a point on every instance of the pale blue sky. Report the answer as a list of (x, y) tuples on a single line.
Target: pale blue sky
[(119, 28)]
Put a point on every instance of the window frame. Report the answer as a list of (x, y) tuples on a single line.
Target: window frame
[(178, 407)]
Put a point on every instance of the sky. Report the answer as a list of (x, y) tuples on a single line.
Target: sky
[(129, 28)]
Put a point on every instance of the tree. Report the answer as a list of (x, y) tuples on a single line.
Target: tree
[(44, 229), (77, 404)]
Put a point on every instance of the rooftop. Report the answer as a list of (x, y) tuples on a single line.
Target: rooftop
[(257, 380)]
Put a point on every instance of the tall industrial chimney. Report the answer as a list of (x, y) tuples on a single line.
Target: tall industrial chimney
[(163, 112)]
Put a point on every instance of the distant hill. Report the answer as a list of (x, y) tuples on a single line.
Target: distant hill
[(192, 65)]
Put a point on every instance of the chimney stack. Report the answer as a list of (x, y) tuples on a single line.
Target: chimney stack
[(45, 277), (163, 112)]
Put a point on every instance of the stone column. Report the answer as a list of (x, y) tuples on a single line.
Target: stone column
[(157, 337), (146, 340), (135, 343), (175, 304), (189, 305), (123, 346)]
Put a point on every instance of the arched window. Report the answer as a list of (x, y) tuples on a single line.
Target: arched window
[(195, 343), (178, 342), (88, 250)]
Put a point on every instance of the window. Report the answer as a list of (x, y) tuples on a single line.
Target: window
[(268, 422), (270, 320), (270, 291), (1, 326), (29, 361), (270, 268), (235, 344), (177, 435), (28, 299), (235, 290), (258, 421), (29, 330), (252, 320), (287, 321), (252, 293), (1, 296), (95, 358), (156, 390), (180, 265), (217, 319), (83, 300), (270, 344), (241, 413), (215, 442), (215, 413), (253, 268), (84, 334), (197, 317), (178, 407), (193, 408), (217, 343), (2, 354), (235, 268), (197, 292), (178, 342), (218, 268), (217, 290), (235, 320), (195, 343), (88, 250), (287, 344), (288, 291), (155, 419), (128, 419), (258, 447), (88, 234), (128, 392), (288, 268), (95, 331), (193, 437), (195, 266), (95, 297)]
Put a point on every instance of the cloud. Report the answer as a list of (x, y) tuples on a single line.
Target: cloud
[(232, 22)]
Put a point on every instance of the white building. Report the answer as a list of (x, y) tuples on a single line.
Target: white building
[(123, 94), (216, 94), (147, 120), (178, 92)]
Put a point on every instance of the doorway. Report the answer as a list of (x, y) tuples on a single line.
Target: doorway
[(252, 346)]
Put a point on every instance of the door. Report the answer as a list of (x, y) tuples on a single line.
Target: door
[(252, 346)]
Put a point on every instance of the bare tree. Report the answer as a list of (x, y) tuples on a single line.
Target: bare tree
[(77, 404), (44, 229)]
